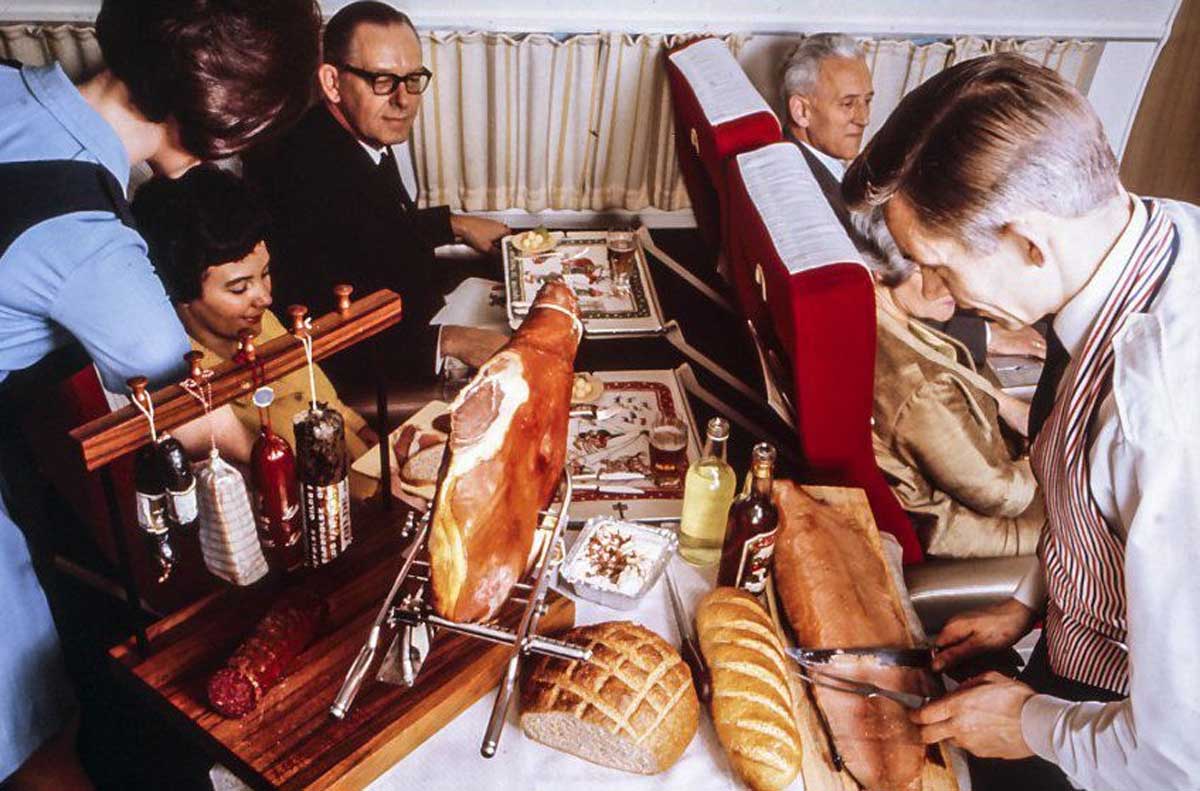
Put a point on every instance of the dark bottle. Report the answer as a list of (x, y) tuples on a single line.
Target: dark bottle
[(323, 471), (151, 493), (750, 533), (273, 471), (179, 482)]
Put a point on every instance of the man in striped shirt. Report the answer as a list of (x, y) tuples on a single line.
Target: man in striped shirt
[(995, 176)]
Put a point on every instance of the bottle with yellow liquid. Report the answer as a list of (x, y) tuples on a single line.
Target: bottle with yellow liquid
[(707, 495)]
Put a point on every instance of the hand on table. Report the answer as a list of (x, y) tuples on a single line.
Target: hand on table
[(470, 344), (976, 632), (983, 717), (480, 233), (1025, 342)]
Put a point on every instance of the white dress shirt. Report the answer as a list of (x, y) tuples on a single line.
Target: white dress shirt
[(1144, 473), (835, 166)]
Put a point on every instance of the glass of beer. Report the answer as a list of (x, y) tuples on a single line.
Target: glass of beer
[(622, 253), (668, 451)]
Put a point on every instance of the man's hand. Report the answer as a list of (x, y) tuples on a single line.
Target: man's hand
[(983, 716), (979, 631), (480, 233), (1014, 412), (1025, 342), (470, 344)]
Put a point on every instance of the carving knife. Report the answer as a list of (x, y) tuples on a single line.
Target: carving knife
[(689, 648)]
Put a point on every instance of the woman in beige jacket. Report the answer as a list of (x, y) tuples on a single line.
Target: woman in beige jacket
[(937, 427)]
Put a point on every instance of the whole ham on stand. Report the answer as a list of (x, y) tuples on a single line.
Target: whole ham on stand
[(489, 532)]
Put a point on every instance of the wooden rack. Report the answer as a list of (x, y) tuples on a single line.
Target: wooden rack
[(119, 433), (112, 436)]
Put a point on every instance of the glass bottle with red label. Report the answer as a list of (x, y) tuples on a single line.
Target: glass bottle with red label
[(273, 470), (750, 534)]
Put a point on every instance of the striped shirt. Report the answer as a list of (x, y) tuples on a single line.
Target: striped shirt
[(1143, 476)]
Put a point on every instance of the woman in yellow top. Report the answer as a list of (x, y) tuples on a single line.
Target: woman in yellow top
[(205, 231), (937, 421)]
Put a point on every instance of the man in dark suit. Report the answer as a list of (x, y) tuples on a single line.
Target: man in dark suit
[(827, 91), (341, 212)]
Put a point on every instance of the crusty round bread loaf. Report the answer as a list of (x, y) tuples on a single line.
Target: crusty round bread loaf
[(752, 704), (632, 707)]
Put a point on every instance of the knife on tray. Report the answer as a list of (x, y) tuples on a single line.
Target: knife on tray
[(689, 648)]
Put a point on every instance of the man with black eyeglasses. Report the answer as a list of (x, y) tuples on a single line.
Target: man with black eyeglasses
[(342, 213)]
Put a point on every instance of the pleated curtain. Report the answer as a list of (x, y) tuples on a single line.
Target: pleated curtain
[(580, 122)]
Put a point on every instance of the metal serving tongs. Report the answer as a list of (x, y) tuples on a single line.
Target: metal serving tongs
[(815, 672)]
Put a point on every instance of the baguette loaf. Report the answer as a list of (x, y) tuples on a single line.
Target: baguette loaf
[(752, 704), (631, 707)]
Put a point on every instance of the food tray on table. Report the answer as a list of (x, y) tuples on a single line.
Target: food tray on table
[(581, 259), (609, 455)]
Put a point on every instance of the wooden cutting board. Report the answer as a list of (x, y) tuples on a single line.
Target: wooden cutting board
[(816, 767), (290, 741)]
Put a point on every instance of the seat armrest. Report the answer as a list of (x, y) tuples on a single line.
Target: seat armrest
[(942, 588)]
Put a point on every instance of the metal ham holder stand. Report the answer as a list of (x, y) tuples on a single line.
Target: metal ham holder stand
[(117, 434), (406, 608)]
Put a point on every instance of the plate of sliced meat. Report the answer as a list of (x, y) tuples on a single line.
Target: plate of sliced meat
[(416, 449)]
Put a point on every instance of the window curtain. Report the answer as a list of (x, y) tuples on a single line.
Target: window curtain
[(582, 122), (543, 122)]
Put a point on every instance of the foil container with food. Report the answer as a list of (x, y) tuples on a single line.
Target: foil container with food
[(614, 563)]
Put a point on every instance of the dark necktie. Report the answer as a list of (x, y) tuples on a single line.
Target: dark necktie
[(390, 174), (1057, 360)]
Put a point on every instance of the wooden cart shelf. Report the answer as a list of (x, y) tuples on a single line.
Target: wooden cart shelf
[(290, 741)]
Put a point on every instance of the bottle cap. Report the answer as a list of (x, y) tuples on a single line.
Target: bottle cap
[(718, 428), (762, 457)]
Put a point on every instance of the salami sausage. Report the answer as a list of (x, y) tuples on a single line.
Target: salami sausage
[(267, 655)]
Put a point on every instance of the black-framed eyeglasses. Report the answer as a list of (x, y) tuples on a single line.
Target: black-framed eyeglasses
[(385, 84)]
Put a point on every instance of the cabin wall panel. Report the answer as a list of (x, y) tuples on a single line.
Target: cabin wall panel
[(1163, 155)]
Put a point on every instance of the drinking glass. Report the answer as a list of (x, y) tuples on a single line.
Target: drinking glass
[(668, 451), (622, 255)]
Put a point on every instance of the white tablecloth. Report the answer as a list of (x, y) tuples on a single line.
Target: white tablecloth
[(451, 760)]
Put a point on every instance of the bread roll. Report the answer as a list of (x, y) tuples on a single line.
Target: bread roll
[(632, 707), (752, 705)]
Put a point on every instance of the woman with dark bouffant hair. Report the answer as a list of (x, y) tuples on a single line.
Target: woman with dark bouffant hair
[(206, 234), (184, 81)]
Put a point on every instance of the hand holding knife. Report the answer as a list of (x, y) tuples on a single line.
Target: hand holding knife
[(689, 648)]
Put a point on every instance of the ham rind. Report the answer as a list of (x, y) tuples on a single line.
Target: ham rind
[(836, 593), (507, 446)]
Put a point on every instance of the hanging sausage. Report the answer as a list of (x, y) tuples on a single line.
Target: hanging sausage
[(228, 534), (322, 465), (150, 486), (324, 475)]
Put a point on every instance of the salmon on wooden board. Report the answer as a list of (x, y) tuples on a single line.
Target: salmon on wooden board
[(507, 447), (836, 593)]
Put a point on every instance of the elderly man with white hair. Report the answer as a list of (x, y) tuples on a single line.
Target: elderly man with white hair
[(827, 93)]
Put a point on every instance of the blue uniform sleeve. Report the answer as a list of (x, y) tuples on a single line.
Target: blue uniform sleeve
[(114, 304)]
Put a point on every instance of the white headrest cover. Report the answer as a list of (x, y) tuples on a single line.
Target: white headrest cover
[(798, 218), (721, 86)]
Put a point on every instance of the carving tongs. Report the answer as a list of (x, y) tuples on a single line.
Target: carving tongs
[(816, 672)]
